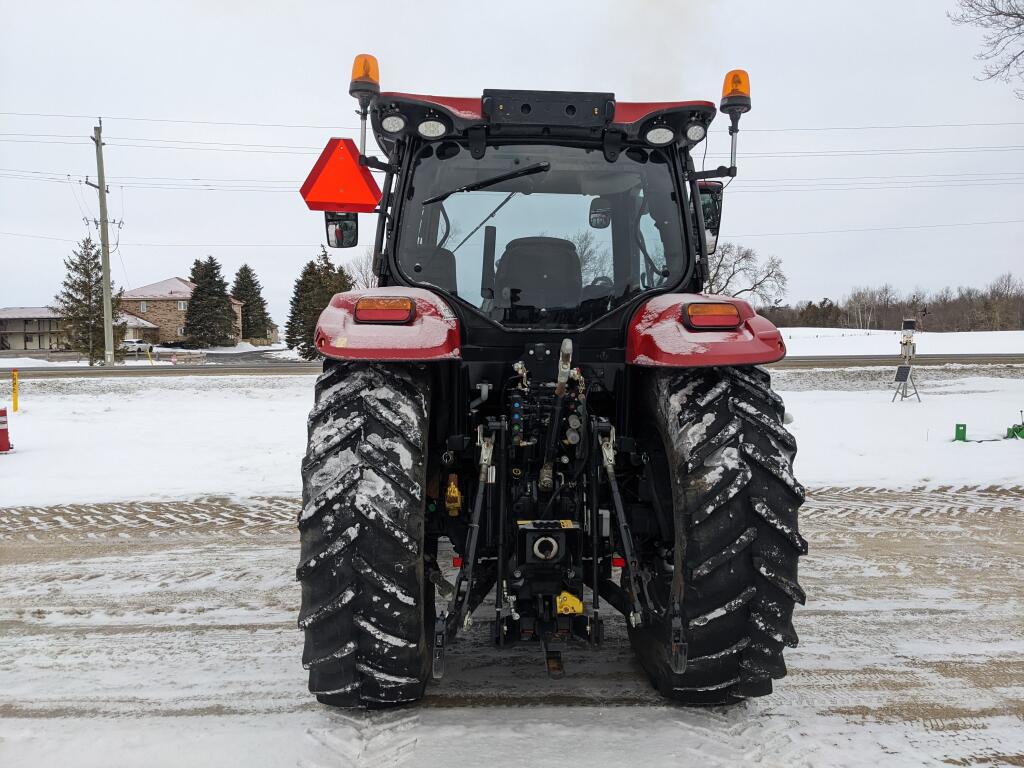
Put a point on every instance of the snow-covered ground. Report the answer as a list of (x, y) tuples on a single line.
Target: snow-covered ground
[(34, 362), (95, 440), (89, 440), (163, 634), (814, 342), (147, 600)]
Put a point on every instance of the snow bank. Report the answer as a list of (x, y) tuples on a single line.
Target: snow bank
[(94, 440), (810, 342), (862, 439), (31, 362)]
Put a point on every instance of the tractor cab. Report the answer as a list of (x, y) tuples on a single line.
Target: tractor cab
[(538, 210)]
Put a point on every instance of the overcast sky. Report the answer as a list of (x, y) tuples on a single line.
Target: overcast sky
[(813, 65)]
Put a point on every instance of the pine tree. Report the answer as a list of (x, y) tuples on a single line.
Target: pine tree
[(314, 288), (247, 289), (210, 318), (80, 302)]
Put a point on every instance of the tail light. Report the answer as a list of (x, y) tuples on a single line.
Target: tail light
[(385, 309), (710, 316)]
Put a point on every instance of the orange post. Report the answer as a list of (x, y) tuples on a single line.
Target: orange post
[(5, 438)]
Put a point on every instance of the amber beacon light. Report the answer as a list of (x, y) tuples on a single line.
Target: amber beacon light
[(736, 92)]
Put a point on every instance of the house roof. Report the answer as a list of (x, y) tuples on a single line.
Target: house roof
[(28, 313), (45, 313), (171, 289), (131, 321)]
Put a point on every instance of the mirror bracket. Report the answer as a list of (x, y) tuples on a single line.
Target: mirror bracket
[(720, 172), (375, 164)]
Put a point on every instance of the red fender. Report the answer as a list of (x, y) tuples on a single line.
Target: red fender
[(658, 337), (433, 333)]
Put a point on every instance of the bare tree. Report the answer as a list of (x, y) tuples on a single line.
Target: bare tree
[(594, 261), (361, 269), (735, 270), (1003, 43)]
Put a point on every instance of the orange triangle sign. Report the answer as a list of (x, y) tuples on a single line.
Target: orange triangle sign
[(339, 183)]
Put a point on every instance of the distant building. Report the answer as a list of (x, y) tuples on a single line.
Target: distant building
[(164, 304), (40, 328), (137, 328), (30, 328)]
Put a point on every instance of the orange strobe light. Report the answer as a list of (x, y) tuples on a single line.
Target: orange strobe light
[(365, 75), (736, 92)]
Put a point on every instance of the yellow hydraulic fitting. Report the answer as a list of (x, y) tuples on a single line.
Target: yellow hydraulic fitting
[(453, 497), (568, 604)]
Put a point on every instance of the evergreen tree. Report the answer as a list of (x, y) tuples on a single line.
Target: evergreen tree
[(247, 289), (314, 288), (80, 302), (209, 319)]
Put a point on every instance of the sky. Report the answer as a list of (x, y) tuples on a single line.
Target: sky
[(243, 95)]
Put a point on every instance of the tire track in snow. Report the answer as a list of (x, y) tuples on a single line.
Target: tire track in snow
[(362, 740), (911, 639)]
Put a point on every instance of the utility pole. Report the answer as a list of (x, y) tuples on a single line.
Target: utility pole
[(101, 187)]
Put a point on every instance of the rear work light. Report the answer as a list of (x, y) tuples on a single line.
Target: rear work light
[(711, 315), (385, 309)]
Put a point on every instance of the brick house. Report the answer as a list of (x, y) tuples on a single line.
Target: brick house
[(165, 304)]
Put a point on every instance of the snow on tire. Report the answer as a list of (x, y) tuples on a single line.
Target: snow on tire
[(727, 461), (361, 530)]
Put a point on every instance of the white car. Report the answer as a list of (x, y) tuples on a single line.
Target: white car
[(136, 345)]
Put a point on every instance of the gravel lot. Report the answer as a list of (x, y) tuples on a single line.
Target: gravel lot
[(127, 626)]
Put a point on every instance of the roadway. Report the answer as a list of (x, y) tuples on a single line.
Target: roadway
[(252, 365)]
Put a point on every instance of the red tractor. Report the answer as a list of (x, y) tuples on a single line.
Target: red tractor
[(538, 380)]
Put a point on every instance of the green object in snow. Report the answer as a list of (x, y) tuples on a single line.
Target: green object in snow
[(960, 433), (1015, 432)]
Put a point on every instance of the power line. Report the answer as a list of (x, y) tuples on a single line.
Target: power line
[(798, 129), (744, 179), (880, 151), (881, 127), (757, 234), (160, 140), (185, 122), (290, 187), (883, 229), (171, 245)]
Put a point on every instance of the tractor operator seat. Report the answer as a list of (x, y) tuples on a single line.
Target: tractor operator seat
[(436, 266), (538, 272)]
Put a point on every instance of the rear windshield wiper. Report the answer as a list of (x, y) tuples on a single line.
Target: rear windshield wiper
[(528, 170)]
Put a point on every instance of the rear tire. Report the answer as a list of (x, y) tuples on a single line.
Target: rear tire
[(365, 599), (725, 461)]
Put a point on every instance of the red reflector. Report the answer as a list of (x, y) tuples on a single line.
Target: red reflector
[(711, 315), (618, 562), (456, 562), (384, 309)]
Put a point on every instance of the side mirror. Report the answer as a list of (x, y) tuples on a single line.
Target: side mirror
[(600, 213), (342, 229), (711, 195)]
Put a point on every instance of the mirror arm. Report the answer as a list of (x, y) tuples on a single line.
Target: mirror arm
[(377, 165), (715, 173)]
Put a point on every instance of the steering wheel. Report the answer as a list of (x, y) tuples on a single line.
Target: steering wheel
[(602, 281)]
